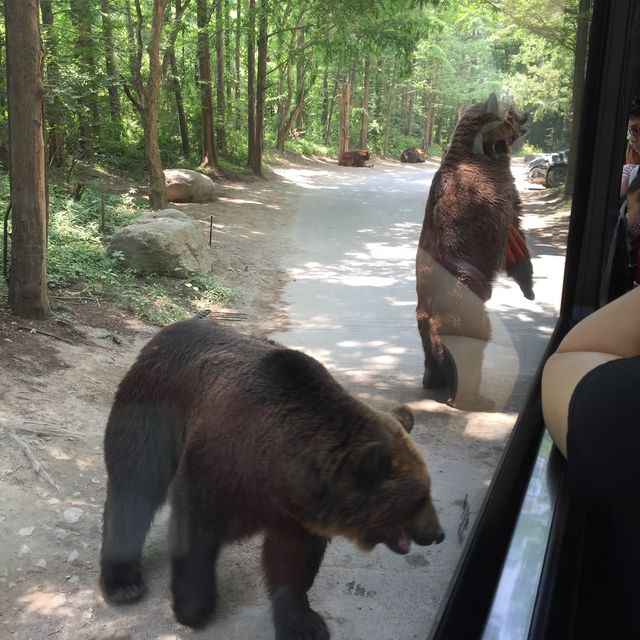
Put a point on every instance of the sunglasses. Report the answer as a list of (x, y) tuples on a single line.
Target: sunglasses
[(634, 131)]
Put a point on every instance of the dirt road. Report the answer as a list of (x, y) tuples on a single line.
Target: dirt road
[(342, 240)]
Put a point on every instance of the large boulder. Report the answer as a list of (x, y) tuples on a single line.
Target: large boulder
[(184, 185), (166, 242)]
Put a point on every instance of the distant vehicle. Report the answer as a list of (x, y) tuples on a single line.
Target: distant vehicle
[(549, 169)]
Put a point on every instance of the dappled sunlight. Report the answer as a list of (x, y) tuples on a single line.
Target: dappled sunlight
[(46, 602)]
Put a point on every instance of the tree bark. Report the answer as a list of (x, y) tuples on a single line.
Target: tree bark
[(111, 67), (28, 281), (56, 132), (332, 100), (209, 151), (364, 122), (157, 188), (261, 86), (236, 71), (89, 116), (251, 84), (220, 110), (300, 82), (345, 109), (182, 118), (387, 116), (410, 114)]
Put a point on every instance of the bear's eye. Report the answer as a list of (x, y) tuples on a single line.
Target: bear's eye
[(417, 506)]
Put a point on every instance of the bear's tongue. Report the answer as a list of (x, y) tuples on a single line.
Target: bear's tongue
[(401, 543)]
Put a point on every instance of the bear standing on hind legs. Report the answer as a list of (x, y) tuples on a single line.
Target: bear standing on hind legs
[(252, 437), (471, 232)]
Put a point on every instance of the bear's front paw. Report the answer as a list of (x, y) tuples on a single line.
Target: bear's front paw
[(121, 582), (193, 604), (302, 625)]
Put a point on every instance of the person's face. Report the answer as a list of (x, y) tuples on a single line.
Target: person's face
[(634, 130)]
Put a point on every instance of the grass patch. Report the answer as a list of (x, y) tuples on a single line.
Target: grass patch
[(77, 260)]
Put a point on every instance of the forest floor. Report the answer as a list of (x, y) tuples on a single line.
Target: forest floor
[(56, 386)]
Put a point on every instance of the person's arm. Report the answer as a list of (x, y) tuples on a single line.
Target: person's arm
[(609, 333)]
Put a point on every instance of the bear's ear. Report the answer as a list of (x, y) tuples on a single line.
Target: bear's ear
[(491, 105), (373, 465), (405, 416)]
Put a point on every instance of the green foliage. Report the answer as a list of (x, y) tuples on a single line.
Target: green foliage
[(402, 142), (77, 259)]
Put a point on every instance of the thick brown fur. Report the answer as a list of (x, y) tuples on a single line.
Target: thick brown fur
[(359, 158), (472, 203), (412, 155), (253, 437)]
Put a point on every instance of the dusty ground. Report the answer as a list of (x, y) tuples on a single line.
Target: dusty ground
[(56, 386)]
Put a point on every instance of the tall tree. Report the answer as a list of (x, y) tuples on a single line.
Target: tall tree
[(261, 85), (143, 92), (251, 84), (177, 90), (220, 110), (209, 149), (111, 68), (364, 122), (28, 282), (56, 106), (89, 117)]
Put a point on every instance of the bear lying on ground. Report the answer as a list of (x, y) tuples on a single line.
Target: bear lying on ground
[(253, 437), (412, 155), (359, 158)]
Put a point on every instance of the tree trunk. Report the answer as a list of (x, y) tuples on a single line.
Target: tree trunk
[(345, 108), (56, 133), (332, 100), (88, 117), (410, 114), (157, 188), (228, 71), (325, 93), (28, 282), (236, 71), (182, 119), (209, 151), (364, 122), (261, 86), (387, 116), (112, 69), (220, 111), (300, 88), (579, 71), (251, 84), (285, 84)]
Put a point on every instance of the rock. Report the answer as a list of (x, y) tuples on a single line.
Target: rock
[(72, 515), (185, 185), (166, 242), (25, 531), (73, 556), (24, 549), (42, 563)]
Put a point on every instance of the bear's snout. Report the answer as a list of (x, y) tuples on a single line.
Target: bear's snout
[(426, 527)]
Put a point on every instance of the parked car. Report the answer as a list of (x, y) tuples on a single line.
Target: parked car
[(549, 169)]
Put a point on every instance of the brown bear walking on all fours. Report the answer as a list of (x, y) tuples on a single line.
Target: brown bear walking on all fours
[(359, 158), (252, 436), (412, 155), (471, 232)]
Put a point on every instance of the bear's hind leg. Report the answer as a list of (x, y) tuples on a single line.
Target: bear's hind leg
[(291, 557), (194, 551), (139, 460)]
